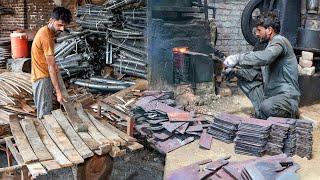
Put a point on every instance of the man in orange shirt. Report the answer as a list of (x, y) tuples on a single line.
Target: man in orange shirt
[(43, 66)]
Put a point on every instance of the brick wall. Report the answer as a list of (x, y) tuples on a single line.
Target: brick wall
[(30, 15), (228, 21)]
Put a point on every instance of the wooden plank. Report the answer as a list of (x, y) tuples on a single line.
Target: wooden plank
[(121, 134), (117, 152), (70, 110), (22, 142), (92, 144), (34, 139), (36, 169), (77, 142), (133, 146), (5, 115), (57, 135), (93, 131), (51, 146), (51, 165), (107, 132), (14, 151)]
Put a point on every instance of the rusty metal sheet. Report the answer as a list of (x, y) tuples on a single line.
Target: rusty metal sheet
[(179, 116), (171, 144), (195, 128), (205, 140), (182, 129), (142, 102), (162, 135), (171, 126), (186, 173)]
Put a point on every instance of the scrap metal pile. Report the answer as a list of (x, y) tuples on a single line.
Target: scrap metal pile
[(118, 28), (166, 127), (273, 167), (257, 137)]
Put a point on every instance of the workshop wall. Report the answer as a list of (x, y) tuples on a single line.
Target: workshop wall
[(29, 15), (228, 21)]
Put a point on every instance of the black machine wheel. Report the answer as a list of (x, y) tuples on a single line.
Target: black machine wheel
[(247, 23), (252, 10)]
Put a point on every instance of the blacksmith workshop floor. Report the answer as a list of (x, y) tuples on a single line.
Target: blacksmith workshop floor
[(191, 153)]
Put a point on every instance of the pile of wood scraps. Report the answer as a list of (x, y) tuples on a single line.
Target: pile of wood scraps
[(16, 93)]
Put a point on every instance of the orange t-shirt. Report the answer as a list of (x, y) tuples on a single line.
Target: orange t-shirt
[(42, 46)]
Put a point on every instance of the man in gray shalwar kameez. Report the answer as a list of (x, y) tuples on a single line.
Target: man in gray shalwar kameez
[(269, 78)]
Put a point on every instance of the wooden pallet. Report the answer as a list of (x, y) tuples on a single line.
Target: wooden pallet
[(53, 143)]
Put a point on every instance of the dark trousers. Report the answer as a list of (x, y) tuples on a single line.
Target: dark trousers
[(279, 105)]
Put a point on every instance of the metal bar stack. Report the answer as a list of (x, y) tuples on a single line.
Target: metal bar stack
[(94, 17), (5, 52), (252, 137), (72, 54), (304, 142), (224, 127), (129, 40)]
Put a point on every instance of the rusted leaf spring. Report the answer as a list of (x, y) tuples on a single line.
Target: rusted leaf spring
[(119, 4), (99, 86), (109, 81), (132, 73)]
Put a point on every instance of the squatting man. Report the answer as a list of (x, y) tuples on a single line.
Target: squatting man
[(269, 78)]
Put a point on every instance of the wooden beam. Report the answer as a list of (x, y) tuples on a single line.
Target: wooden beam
[(5, 115), (93, 131), (22, 142), (77, 142), (36, 169), (107, 132), (51, 146), (57, 135), (51, 165), (75, 120), (34, 139), (17, 156)]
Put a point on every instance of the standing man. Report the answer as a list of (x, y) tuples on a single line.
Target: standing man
[(269, 78), (44, 69)]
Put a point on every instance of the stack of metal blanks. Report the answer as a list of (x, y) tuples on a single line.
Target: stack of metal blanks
[(304, 142), (289, 145), (278, 133), (252, 137), (224, 127), (5, 52)]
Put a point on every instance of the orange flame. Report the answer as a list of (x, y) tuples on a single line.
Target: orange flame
[(180, 49)]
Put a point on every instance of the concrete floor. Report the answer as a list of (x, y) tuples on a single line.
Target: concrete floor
[(191, 153)]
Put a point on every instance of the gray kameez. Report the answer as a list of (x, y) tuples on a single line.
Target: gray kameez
[(278, 94)]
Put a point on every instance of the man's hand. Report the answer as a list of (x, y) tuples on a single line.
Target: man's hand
[(231, 61), (60, 98)]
